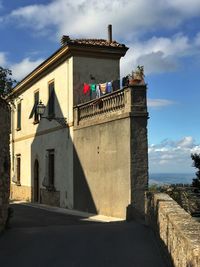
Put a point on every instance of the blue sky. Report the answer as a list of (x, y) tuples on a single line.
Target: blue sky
[(162, 35)]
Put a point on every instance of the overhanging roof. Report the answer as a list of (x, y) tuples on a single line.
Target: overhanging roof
[(98, 48)]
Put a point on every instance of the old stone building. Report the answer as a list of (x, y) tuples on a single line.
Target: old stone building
[(82, 153), (4, 161)]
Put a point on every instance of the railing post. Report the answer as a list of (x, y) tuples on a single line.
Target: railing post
[(76, 116), (127, 99)]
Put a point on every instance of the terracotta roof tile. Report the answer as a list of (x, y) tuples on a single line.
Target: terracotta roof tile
[(65, 40)]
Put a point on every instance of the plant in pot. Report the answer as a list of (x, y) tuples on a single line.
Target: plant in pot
[(137, 76)]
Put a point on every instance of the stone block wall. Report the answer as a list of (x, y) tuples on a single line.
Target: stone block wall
[(4, 161), (177, 230)]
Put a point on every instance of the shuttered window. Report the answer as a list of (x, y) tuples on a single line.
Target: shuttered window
[(51, 168), (19, 116), (36, 102), (51, 103), (18, 169)]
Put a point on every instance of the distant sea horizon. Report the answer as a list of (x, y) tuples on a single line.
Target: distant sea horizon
[(171, 178)]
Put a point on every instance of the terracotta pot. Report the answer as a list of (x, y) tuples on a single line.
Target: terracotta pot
[(134, 81)]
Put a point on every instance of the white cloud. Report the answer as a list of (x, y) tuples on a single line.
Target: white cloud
[(157, 103), (2, 59), (160, 54), (21, 69), (173, 156), (90, 17), (130, 19)]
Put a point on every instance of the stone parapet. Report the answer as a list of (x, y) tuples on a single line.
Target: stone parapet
[(178, 231)]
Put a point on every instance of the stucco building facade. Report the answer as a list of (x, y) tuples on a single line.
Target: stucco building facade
[(58, 163)]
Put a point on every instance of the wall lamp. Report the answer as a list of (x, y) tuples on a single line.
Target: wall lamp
[(40, 109)]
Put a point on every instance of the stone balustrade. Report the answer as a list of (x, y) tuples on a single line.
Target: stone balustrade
[(126, 100), (108, 103)]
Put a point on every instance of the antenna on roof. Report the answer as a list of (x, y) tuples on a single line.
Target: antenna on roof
[(110, 33)]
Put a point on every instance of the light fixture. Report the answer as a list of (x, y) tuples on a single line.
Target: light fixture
[(40, 109)]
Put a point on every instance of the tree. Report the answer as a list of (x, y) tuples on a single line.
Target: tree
[(6, 81), (196, 163)]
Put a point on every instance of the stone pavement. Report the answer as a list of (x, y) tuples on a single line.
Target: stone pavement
[(40, 238)]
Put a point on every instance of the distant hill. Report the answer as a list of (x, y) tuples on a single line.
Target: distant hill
[(171, 178)]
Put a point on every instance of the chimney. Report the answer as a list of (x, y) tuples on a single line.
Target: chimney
[(110, 33)]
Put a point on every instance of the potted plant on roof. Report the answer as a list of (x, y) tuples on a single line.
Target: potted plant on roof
[(137, 76)]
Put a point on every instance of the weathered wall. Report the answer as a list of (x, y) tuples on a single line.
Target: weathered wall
[(179, 232), (110, 154), (102, 168), (101, 70), (4, 161), (21, 192)]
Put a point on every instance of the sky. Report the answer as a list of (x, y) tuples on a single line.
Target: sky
[(162, 35)]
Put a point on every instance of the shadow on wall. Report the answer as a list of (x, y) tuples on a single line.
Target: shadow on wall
[(52, 157), (4, 162)]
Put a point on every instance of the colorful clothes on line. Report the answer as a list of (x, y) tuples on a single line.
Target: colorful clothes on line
[(116, 85), (109, 88), (93, 87), (86, 88), (98, 93), (103, 88)]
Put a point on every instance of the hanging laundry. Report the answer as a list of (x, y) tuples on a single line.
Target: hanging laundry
[(86, 88), (93, 91), (93, 87), (109, 88), (125, 81), (116, 85), (103, 88), (98, 92)]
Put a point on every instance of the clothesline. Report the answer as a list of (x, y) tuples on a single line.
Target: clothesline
[(101, 88)]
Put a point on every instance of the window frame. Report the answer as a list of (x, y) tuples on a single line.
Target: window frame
[(36, 116), (51, 99), (18, 169), (19, 116), (51, 169)]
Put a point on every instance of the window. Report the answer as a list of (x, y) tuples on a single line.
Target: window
[(51, 103), (49, 177), (36, 102), (51, 167), (18, 169), (19, 116)]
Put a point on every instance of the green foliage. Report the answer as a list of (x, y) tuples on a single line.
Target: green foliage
[(196, 163), (6, 81)]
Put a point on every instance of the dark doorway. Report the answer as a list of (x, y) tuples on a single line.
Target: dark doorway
[(36, 181)]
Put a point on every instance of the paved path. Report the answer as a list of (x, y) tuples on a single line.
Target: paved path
[(40, 238)]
